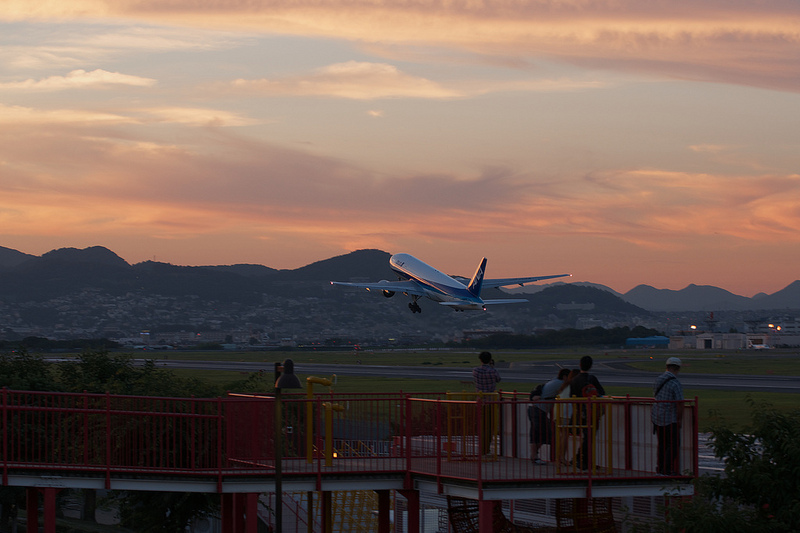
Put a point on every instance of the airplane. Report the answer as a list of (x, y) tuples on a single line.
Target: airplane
[(418, 279)]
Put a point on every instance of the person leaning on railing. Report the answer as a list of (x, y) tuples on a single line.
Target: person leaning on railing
[(540, 414)]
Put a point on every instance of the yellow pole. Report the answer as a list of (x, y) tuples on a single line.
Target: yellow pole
[(329, 409), (310, 414)]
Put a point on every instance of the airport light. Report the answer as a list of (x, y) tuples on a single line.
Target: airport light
[(285, 379)]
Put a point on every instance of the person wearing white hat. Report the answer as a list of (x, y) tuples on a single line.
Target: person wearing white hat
[(667, 417)]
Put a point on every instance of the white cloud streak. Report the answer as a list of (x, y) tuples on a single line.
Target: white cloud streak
[(352, 79), (79, 79)]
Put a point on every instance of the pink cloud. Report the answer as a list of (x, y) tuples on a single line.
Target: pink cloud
[(741, 43)]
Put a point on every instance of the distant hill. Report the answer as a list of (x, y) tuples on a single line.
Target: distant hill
[(96, 255), (691, 298), (786, 298), (532, 289), (65, 271), (70, 270), (578, 298), (11, 258), (372, 265), (246, 270)]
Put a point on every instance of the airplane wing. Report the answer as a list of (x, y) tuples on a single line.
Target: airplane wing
[(505, 301), (408, 287), (502, 282)]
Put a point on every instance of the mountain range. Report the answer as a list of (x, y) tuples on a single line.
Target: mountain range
[(26, 277)]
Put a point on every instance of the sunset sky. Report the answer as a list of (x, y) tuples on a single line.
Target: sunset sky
[(626, 142)]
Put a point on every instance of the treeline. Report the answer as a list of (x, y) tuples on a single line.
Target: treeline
[(564, 337), (41, 344)]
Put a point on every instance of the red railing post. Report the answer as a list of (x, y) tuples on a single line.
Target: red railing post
[(514, 426), (696, 429), (219, 444), (407, 437), (628, 436), (5, 436), (86, 454), (192, 433), (108, 440)]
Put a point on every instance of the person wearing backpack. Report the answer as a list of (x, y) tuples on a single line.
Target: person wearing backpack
[(585, 385), (667, 417)]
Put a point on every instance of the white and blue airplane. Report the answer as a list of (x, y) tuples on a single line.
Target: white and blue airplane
[(418, 279)]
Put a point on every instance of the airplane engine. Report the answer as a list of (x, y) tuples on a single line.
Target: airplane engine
[(387, 293)]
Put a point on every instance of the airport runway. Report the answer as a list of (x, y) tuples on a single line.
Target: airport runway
[(610, 374)]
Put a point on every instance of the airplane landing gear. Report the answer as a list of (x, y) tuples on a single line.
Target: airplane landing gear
[(415, 308)]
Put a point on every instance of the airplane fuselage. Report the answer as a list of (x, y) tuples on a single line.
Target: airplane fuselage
[(437, 285), (418, 279)]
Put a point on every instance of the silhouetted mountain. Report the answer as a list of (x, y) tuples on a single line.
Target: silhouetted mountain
[(207, 283), (11, 258), (786, 298), (533, 289), (246, 270), (65, 271), (68, 271), (372, 265), (93, 255), (691, 298), (581, 298)]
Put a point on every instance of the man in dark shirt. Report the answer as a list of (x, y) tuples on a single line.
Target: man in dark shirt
[(585, 385), (667, 417)]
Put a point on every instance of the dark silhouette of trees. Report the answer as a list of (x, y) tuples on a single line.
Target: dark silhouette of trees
[(759, 491), (596, 336)]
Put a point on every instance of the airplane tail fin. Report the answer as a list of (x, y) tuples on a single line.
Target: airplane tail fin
[(476, 282)]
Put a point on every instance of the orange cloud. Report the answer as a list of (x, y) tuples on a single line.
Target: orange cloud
[(702, 40), (103, 181)]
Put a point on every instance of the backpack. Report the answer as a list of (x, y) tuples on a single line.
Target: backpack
[(589, 390), (537, 391)]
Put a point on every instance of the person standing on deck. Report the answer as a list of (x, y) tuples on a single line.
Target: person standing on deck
[(667, 417)]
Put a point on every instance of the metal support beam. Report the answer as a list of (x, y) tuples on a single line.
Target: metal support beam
[(486, 515), (384, 509), (412, 522), (32, 509)]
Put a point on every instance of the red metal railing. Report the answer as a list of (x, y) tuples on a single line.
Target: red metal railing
[(483, 440)]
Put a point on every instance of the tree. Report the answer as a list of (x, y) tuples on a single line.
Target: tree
[(21, 370), (760, 488), (165, 512)]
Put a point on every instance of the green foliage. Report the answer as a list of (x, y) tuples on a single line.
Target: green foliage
[(760, 489), (24, 371), (43, 344), (97, 371), (256, 383), (100, 372)]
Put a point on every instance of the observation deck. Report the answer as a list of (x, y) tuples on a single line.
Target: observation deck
[(462, 445)]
